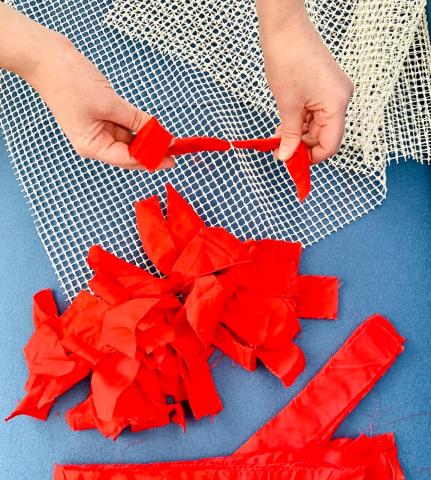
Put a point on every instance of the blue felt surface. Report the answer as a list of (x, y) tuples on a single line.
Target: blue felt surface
[(385, 266), (384, 263)]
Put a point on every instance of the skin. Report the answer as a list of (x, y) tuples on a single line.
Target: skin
[(311, 90)]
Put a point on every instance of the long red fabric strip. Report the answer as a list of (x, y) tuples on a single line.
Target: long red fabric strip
[(313, 415), (211, 471), (296, 444), (370, 458), (153, 143)]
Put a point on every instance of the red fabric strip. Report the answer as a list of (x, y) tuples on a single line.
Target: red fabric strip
[(317, 297), (111, 376), (314, 414), (198, 144), (259, 144), (211, 250), (202, 394), (44, 308), (119, 326), (239, 353), (183, 222), (132, 280), (206, 471), (299, 168), (373, 458), (204, 306), (286, 364)]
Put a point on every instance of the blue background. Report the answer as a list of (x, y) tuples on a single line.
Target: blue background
[(383, 261), (384, 264)]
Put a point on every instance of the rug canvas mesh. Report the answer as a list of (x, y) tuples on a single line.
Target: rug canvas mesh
[(197, 65)]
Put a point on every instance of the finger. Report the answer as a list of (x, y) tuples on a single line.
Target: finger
[(277, 132), (123, 135), (117, 154), (309, 140), (127, 115), (106, 149), (311, 133), (120, 134), (330, 135), (291, 133), (167, 162), (307, 122)]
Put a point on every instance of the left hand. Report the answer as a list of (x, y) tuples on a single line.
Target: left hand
[(97, 121)]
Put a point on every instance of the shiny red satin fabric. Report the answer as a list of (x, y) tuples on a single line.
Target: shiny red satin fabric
[(296, 444), (153, 143)]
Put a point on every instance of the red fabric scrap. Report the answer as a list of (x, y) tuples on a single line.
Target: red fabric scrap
[(296, 444), (146, 340), (204, 307), (151, 144), (52, 369), (155, 235), (324, 305), (183, 222), (213, 249)]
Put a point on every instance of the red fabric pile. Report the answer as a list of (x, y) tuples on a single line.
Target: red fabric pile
[(296, 444), (153, 142), (146, 340)]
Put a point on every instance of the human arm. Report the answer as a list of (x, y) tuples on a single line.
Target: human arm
[(93, 116), (311, 90)]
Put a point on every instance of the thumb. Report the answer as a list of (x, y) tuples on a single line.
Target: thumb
[(291, 133), (128, 116)]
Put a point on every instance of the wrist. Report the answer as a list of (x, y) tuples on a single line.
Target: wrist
[(280, 14), (25, 45), (50, 48), (292, 26)]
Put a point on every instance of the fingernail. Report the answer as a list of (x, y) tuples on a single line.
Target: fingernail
[(283, 153)]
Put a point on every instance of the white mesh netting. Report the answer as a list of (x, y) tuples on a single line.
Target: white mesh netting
[(197, 65)]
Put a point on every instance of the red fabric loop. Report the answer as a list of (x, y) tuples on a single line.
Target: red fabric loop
[(296, 443)]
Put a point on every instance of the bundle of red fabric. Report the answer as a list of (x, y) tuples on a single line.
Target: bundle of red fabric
[(296, 444), (146, 340), (153, 142)]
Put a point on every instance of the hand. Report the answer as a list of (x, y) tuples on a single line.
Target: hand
[(311, 90), (96, 120)]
